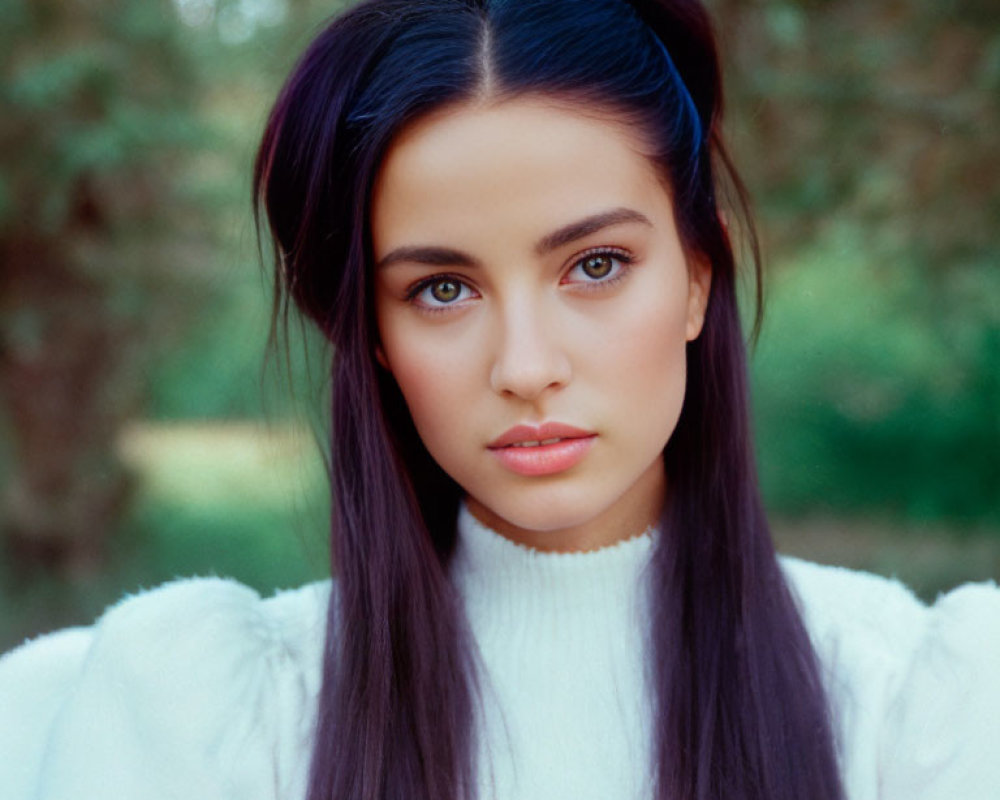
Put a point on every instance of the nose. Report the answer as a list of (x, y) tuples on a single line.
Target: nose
[(529, 358)]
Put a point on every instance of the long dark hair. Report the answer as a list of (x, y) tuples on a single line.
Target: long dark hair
[(741, 712)]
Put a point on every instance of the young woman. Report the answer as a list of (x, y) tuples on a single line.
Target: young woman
[(553, 574)]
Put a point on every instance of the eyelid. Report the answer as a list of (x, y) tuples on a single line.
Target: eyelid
[(620, 254), (420, 284), (414, 291)]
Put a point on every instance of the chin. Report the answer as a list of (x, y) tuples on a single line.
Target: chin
[(546, 514), (549, 520)]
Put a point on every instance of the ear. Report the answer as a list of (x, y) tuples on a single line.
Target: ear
[(699, 288), (380, 357)]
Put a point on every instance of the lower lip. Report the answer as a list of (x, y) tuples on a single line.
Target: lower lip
[(545, 459)]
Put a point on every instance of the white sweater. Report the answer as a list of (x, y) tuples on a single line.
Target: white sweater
[(202, 690)]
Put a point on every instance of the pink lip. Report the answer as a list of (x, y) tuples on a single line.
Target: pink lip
[(546, 459)]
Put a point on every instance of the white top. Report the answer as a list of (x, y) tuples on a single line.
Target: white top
[(201, 689)]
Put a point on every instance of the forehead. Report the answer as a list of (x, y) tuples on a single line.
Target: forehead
[(531, 162)]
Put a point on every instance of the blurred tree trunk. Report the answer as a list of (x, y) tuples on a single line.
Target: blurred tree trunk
[(61, 362), (98, 102)]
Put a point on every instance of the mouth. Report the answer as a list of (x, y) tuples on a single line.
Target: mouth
[(544, 435), (543, 450)]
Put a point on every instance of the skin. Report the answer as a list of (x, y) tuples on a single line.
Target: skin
[(486, 322)]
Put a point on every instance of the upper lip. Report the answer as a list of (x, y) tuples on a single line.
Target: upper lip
[(538, 433)]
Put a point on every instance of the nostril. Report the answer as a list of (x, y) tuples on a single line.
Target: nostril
[(527, 372)]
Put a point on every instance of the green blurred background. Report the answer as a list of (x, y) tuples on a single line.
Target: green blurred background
[(145, 435)]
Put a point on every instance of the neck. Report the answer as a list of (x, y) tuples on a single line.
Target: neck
[(631, 515)]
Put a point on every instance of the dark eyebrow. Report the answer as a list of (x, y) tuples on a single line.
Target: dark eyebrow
[(432, 256), (588, 225), (446, 257)]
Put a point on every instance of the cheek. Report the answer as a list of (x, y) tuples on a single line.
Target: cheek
[(654, 381), (645, 358), (436, 388)]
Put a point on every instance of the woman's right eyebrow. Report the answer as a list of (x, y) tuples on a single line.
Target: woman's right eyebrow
[(432, 256)]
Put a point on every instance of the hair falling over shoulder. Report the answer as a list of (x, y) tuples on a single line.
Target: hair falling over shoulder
[(740, 709)]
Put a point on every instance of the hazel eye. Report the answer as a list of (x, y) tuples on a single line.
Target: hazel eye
[(446, 291), (439, 292), (599, 267)]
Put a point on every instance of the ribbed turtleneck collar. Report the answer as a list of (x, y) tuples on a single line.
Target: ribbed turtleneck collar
[(561, 639), (518, 577)]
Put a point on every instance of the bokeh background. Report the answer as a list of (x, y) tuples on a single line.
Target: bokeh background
[(145, 432)]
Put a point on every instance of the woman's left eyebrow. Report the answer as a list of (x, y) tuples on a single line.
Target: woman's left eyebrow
[(588, 225)]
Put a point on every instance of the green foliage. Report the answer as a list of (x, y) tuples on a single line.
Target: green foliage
[(228, 369), (864, 132), (877, 389), (878, 113), (98, 91)]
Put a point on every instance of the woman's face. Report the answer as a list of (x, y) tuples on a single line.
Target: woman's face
[(533, 303)]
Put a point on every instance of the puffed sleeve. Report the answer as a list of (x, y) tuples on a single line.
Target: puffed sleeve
[(35, 681), (198, 689), (941, 739)]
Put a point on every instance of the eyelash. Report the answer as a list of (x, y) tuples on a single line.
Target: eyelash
[(422, 285), (623, 257)]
